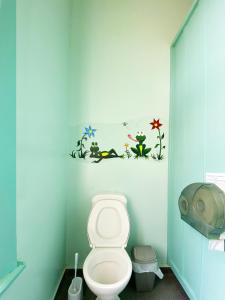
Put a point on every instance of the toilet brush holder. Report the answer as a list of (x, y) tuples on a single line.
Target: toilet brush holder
[(75, 291)]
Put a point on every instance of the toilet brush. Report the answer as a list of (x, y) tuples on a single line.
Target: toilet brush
[(75, 291), (75, 271)]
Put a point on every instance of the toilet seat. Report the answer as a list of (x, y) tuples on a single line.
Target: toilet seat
[(108, 224)]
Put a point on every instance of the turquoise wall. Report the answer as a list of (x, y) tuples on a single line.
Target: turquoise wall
[(120, 70), (42, 93), (116, 69), (7, 136), (196, 142)]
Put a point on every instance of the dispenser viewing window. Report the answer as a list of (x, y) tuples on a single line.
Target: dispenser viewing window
[(202, 206)]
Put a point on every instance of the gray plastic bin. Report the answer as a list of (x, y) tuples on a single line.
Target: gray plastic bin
[(145, 267)]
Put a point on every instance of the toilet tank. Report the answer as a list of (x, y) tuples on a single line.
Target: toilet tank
[(118, 197)]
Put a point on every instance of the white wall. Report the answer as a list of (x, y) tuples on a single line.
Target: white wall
[(120, 71)]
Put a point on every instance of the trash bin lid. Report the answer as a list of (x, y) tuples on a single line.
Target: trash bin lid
[(144, 254)]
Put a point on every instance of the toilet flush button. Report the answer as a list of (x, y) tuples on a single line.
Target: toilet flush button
[(216, 178)]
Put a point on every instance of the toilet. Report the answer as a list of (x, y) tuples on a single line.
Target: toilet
[(107, 268)]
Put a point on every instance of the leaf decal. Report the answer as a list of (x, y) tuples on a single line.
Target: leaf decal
[(85, 153), (78, 143), (162, 137), (157, 145)]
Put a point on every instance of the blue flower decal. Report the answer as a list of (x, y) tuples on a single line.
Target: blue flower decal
[(89, 131)]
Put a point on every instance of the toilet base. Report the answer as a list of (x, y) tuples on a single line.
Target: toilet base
[(116, 298)]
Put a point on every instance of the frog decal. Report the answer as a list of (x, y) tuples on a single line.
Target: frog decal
[(100, 155), (140, 150)]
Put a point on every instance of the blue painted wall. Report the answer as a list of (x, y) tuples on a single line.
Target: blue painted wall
[(197, 142), (7, 136)]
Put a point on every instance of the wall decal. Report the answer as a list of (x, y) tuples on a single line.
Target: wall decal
[(124, 124), (140, 150), (145, 146), (88, 132), (127, 151), (156, 125), (102, 154)]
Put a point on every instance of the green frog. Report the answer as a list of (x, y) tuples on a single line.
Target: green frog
[(141, 150), (102, 154), (94, 149)]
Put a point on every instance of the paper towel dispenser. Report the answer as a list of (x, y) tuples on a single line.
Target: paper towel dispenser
[(202, 205)]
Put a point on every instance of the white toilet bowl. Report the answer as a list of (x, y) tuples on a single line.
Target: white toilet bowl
[(107, 269), (107, 272)]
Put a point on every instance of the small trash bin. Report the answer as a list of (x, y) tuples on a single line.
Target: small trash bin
[(145, 267)]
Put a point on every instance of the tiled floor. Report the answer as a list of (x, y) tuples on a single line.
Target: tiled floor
[(166, 289)]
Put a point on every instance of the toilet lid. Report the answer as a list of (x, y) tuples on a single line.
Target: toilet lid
[(108, 224)]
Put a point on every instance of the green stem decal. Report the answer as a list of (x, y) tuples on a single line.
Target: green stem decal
[(88, 132), (82, 145), (156, 125), (160, 144), (127, 151)]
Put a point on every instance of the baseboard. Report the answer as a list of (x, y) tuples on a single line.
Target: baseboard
[(58, 284)]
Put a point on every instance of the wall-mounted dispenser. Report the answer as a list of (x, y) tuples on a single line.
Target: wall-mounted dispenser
[(202, 205)]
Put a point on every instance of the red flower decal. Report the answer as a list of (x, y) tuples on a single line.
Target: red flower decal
[(155, 124)]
